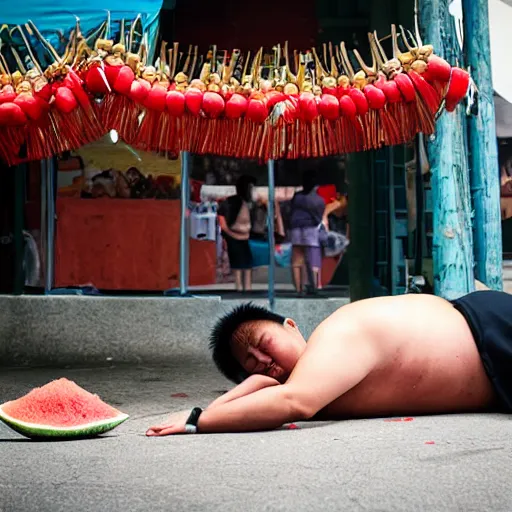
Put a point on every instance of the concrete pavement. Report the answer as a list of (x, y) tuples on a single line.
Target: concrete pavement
[(443, 463)]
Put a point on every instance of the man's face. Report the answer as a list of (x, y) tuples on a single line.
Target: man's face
[(268, 348)]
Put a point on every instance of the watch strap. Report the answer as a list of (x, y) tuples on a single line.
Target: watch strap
[(192, 421)]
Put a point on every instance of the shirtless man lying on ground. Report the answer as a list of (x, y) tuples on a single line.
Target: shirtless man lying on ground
[(388, 356)]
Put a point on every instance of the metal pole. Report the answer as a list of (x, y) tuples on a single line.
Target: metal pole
[(271, 239), (420, 207), (19, 207), (184, 239), (50, 224), (44, 220), (483, 156)]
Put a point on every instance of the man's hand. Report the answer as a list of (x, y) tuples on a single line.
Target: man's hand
[(175, 424)]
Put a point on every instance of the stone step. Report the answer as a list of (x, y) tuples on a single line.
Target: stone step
[(507, 270), (507, 276)]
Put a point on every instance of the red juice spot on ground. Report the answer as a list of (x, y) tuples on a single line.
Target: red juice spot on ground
[(430, 442), (408, 419), (292, 426), (179, 395)]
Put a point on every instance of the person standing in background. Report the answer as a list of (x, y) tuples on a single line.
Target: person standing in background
[(259, 221), (235, 223), (306, 216)]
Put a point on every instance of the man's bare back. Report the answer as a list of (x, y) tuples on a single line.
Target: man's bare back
[(412, 354), (427, 362)]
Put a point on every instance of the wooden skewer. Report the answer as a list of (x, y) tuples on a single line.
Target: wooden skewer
[(121, 33), (187, 61), (396, 49), (290, 76), (19, 63), (346, 61), (163, 56), (169, 57), (213, 63), (193, 66), (320, 69), (174, 58), (47, 45), (5, 67), (246, 65), (29, 50), (376, 49), (370, 71), (132, 31)]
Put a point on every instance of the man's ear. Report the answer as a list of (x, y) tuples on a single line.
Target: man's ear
[(290, 323)]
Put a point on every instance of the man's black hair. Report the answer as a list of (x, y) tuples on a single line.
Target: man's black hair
[(243, 184), (225, 328)]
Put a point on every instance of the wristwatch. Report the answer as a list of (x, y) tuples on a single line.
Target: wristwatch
[(192, 420)]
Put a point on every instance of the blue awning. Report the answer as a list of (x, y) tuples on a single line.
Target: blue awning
[(52, 17)]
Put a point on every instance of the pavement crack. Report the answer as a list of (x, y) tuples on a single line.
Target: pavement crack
[(460, 454), (146, 416)]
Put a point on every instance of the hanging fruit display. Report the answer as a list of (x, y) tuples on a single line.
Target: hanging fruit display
[(261, 106)]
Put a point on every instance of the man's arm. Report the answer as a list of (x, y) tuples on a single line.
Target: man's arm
[(225, 228), (250, 385), (330, 366)]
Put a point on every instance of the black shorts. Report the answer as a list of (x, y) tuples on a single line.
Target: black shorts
[(239, 253), (489, 316)]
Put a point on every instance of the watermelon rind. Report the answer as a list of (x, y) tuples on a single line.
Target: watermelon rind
[(37, 431)]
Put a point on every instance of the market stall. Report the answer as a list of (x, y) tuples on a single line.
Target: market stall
[(268, 105)]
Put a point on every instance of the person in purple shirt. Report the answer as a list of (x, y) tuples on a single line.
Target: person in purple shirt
[(307, 209)]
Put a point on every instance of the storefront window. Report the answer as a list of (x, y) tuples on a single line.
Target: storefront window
[(229, 227), (118, 219), (314, 210)]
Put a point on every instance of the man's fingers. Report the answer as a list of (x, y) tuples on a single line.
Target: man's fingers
[(167, 431), (154, 431), (163, 430)]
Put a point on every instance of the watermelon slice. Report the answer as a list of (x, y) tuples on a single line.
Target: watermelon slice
[(60, 409)]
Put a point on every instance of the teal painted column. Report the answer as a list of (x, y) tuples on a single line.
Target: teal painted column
[(483, 154), (452, 230)]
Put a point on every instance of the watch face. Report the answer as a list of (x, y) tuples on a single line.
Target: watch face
[(190, 429)]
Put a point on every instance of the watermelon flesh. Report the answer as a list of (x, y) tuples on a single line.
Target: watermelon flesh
[(60, 409)]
